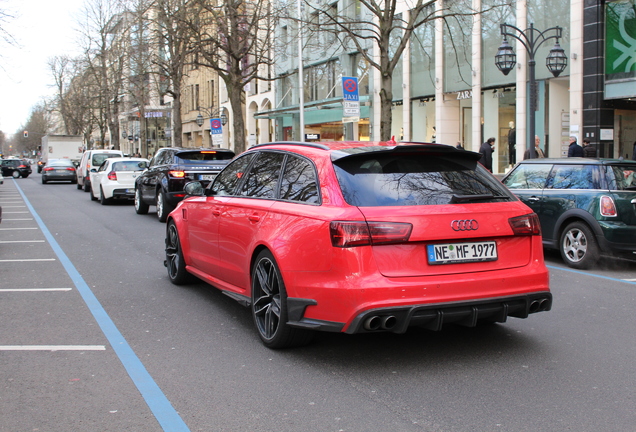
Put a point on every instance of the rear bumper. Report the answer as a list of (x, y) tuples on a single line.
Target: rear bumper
[(124, 193), (432, 316)]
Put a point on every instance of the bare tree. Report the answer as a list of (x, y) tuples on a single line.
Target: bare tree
[(234, 39), (105, 38), (37, 125), (173, 36), (380, 23)]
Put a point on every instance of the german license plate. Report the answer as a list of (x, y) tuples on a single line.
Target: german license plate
[(450, 253), (207, 177)]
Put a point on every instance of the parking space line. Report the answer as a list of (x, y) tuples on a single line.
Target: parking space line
[(52, 348), (24, 219), (17, 229), (29, 260), (629, 281), (168, 418), (33, 289), (21, 241)]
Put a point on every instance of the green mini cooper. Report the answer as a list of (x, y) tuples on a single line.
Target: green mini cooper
[(587, 207)]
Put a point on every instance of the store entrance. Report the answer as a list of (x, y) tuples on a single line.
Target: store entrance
[(625, 138)]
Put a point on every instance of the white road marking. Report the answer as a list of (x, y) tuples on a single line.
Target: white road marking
[(21, 241), (16, 229), (33, 289), (52, 348), (29, 260)]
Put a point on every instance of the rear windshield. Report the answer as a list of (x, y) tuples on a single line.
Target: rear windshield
[(99, 158), (128, 166), (204, 155), (622, 177), (61, 163), (416, 179)]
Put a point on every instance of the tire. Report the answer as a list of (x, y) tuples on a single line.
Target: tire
[(102, 199), (79, 186), (44, 181), (140, 206), (25, 176), (269, 306), (163, 208), (15, 174), (175, 263), (578, 246), (92, 195), (87, 185)]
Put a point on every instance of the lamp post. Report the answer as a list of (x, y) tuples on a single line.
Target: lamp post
[(531, 39)]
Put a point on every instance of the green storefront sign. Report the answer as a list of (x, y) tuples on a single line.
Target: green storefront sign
[(620, 49)]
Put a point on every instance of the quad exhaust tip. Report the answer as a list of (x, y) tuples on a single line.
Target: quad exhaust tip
[(380, 322)]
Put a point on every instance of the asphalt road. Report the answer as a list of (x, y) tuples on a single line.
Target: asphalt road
[(93, 337)]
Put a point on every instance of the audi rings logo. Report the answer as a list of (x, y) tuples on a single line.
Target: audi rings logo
[(465, 225)]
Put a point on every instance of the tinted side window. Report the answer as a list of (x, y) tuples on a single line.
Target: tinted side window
[(574, 177), (528, 176), (299, 181), (225, 183), (262, 180)]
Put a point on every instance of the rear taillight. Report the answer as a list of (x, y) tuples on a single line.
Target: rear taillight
[(70, 169), (22, 166), (525, 225), (48, 169), (350, 234), (608, 208), (112, 176), (177, 174)]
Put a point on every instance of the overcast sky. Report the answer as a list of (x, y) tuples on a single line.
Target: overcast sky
[(42, 29)]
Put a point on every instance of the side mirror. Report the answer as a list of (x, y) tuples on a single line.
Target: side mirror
[(93, 169), (194, 188), (143, 165)]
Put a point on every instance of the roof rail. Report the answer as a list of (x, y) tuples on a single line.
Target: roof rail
[(299, 143)]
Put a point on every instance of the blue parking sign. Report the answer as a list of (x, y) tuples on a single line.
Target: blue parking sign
[(216, 127), (350, 89)]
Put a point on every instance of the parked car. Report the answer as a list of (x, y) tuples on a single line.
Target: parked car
[(170, 169), (587, 207), (15, 168), (115, 179), (59, 170), (360, 237), (92, 159)]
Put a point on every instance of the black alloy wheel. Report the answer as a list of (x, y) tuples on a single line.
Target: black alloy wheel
[(269, 306), (175, 263), (140, 206), (578, 246)]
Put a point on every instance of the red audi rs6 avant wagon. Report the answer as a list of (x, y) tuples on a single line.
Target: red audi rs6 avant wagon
[(360, 237)]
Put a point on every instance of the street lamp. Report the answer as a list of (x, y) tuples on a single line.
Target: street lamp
[(211, 114), (531, 39)]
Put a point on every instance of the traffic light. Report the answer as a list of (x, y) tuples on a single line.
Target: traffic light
[(26, 134)]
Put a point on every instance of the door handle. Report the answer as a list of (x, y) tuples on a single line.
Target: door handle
[(216, 211), (534, 199), (254, 217)]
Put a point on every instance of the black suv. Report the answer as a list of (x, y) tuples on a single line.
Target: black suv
[(169, 170), (587, 207), (15, 168)]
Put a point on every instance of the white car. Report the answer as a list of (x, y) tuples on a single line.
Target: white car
[(115, 178)]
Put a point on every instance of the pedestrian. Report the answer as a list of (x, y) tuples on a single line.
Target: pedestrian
[(537, 149), (575, 150), (512, 144), (589, 150), (459, 146), (486, 150)]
